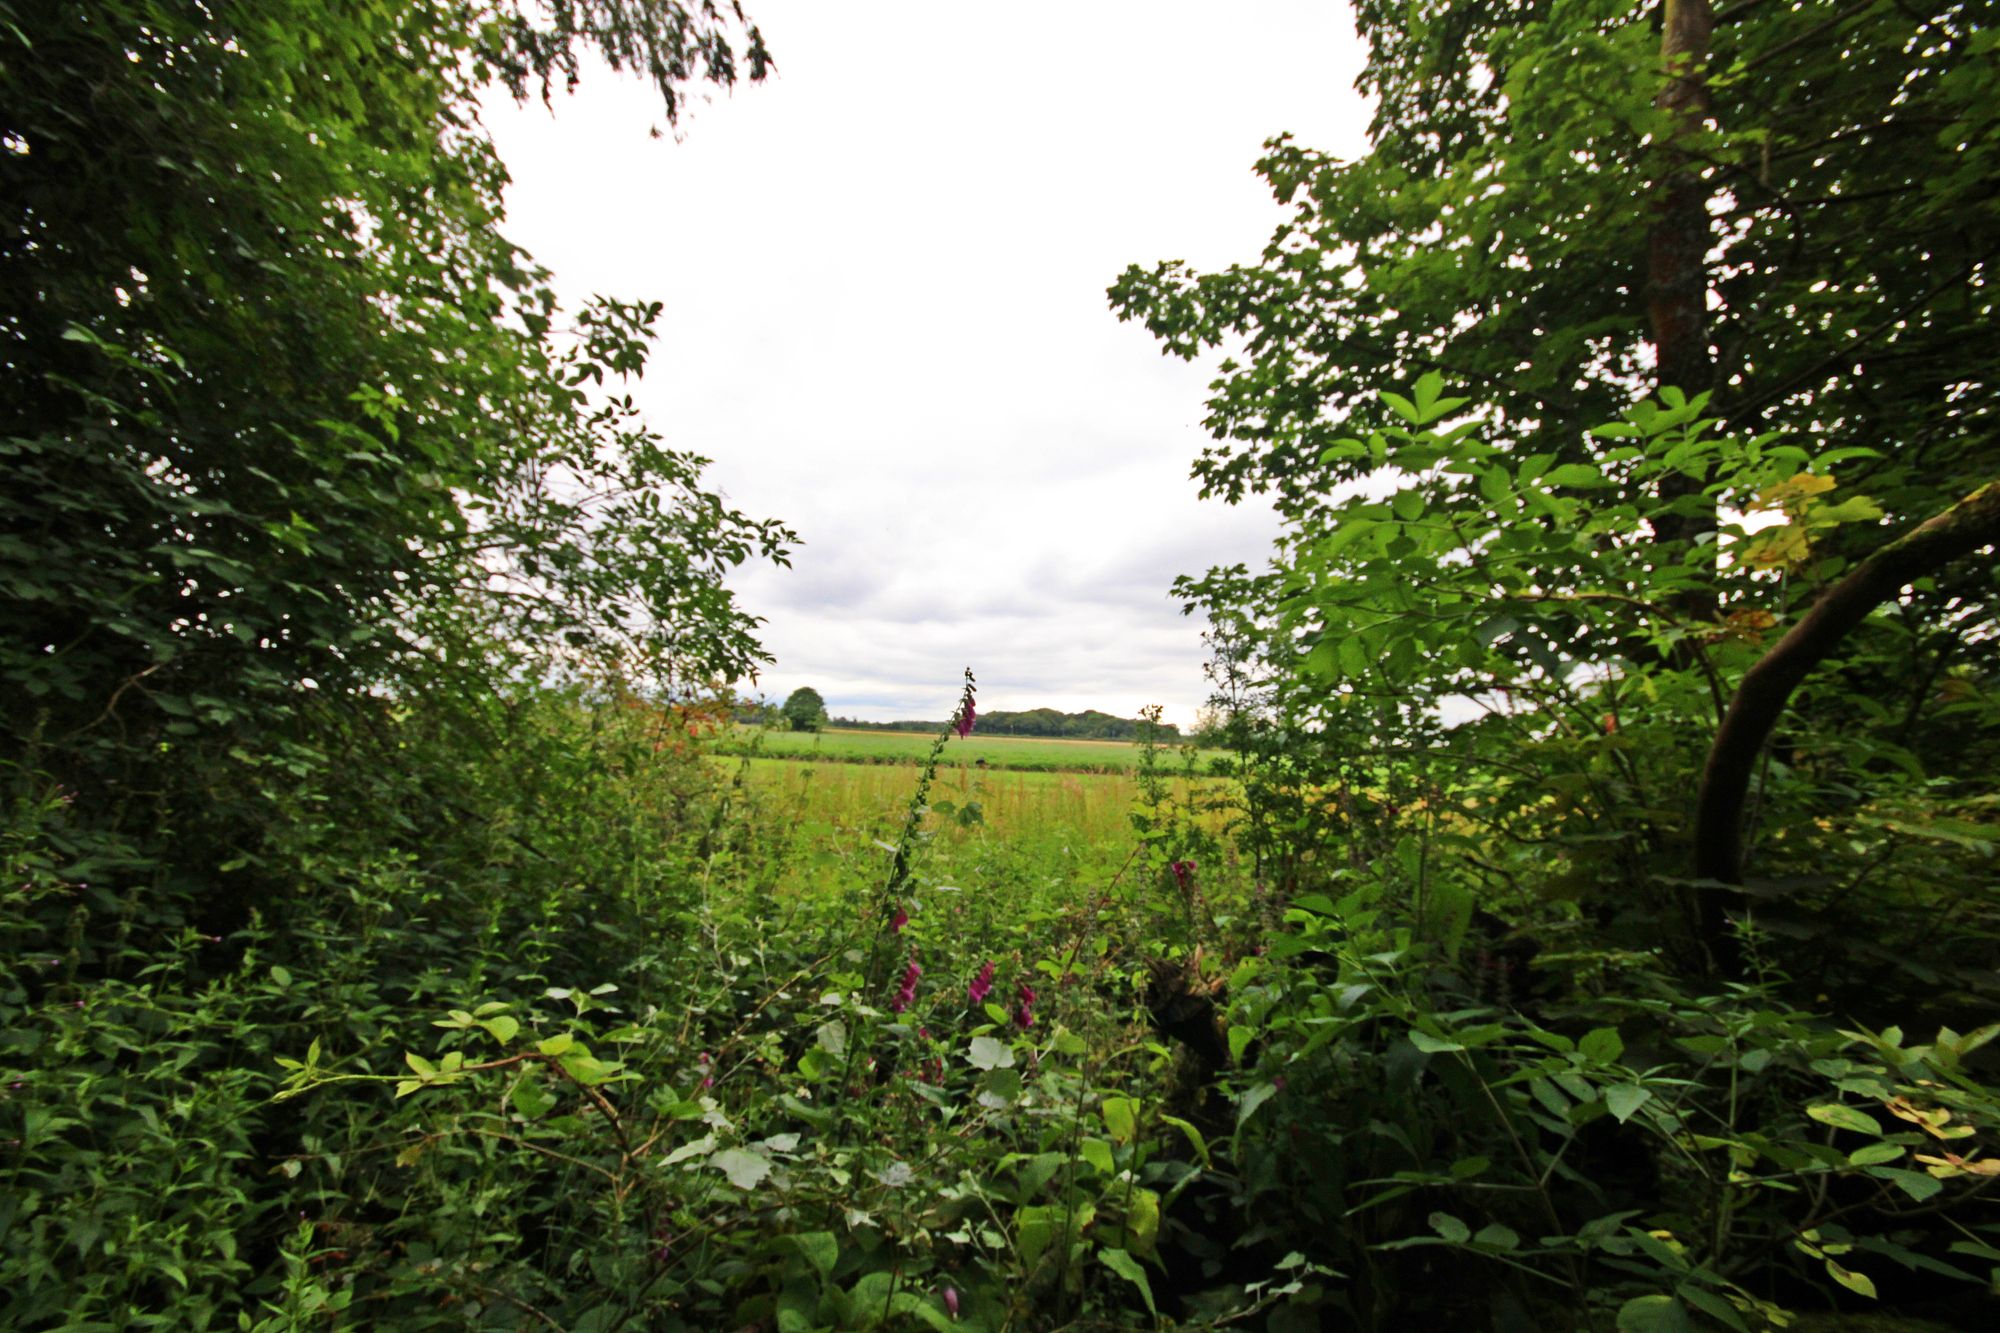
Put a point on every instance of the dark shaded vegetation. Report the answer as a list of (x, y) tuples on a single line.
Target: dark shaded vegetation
[(384, 947)]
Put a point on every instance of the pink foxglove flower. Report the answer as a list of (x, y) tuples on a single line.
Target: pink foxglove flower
[(1025, 1013), (907, 993), (966, 715), (951, 1300), (1183, 875), (981, 987), (898, 921)]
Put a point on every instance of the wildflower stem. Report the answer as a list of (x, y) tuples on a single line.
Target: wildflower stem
[(899, 866)]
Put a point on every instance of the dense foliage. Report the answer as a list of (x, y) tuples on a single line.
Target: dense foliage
[(804, 709), (1609, 819), (1713, 288)]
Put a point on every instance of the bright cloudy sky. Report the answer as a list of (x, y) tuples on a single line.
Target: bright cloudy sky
[(884, 275)]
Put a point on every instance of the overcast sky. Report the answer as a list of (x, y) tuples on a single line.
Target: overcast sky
[(884, 275)]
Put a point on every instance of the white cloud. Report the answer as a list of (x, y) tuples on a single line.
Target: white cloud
[(884, 277)]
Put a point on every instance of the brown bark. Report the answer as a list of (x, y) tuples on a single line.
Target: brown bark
[(1760, 699), (1677, 247)]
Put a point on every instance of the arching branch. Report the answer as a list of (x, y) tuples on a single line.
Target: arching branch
[(1759, 701)]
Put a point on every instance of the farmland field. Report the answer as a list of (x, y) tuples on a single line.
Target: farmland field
[(1029, 753), (831, 826), (1088, 809)]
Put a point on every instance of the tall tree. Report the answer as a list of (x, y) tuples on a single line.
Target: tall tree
[(289, 428), (804, 710), (1794, 205), (1779, 223), (280, 400)]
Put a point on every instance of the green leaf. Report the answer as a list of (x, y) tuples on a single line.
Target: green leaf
[(1125, 1266), (1454, 1231), (1573, 474), (1121, 1118), (820, 1248), (531, 1099), (1403, 407), (1430, 1045), (1240, 1038), (988, 1053), (700, 1147), (923, 1307), (1097, 1152), (746, 1170), (1194, 1136), (1038, 1228), (1916, 1184), (1844, 1117), (1653, 1314), (1624, 1100), (1858, 1283), (1874, 1154), (1714, 1306), (1601, 1046), (1246, 1106), (1142, 1223), (1429, 385), (588, 1069), (999, 1089)]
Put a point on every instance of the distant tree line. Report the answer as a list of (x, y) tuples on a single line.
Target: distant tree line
[(1087, 725)]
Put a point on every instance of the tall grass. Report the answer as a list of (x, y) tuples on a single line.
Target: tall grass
[(1083, 808)]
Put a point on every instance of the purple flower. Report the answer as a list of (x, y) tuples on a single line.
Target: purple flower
[(1025, 1013), (951, 1300), (1183, 875), (965, 716), (898, 921), (908, 992), (981, 987)]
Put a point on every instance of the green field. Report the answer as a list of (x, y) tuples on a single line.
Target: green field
[(1086, 809), (1035, 754)]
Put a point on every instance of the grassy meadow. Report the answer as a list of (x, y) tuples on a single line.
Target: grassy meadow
[(839, 818), (1039, 754), (1089, 808)]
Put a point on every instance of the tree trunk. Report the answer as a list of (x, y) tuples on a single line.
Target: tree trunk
[(1676, 271), (1677, 254), (1967, 526)]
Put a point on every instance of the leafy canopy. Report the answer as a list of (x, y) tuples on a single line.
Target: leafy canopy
[(281, 406), (1539, 593), (804, 710)]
